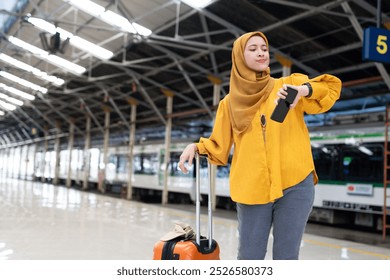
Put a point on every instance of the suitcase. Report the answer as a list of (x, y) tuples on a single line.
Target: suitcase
[(201, 248)]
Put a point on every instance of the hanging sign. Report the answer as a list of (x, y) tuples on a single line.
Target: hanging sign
[(376, 44)]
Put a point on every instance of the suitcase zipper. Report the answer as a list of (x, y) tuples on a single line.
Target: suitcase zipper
[(263, 122)]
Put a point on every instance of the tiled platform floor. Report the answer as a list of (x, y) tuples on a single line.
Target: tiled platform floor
[(39, 221)]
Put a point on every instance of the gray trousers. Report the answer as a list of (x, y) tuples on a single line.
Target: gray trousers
[(288, 216)]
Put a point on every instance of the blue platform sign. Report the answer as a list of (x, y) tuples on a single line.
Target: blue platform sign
[(376, 44)]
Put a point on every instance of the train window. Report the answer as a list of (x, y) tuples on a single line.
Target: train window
[(362, 163), (224, 170), (112, 159), (146, 164), (326, 161), (111, 164), (122, 164)]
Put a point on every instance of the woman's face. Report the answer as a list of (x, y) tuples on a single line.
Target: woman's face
[(256, 54)]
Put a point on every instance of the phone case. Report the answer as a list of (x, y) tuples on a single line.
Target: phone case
[(281, 110)]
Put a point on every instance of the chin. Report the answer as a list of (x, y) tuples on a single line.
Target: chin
[(261, 70)]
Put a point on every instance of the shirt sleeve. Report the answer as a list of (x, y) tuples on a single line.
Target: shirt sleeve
[(218, 145), (326, 91)]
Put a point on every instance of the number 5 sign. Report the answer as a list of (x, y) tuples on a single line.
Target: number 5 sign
[(376, 44)]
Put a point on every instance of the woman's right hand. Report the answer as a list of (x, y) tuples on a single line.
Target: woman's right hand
[(187, 155)]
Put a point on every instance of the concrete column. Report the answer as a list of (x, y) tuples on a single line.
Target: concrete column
[(133, 114), (26, 160), (8, 159), (57, 145), (70, 149), (168, 128), (45, 146), (286, 63), (2, 161), (87, 154), (102, 171), (13, 161), (21, 159), (34, 177)]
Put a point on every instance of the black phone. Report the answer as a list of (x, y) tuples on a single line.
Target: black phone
[(281, 110)]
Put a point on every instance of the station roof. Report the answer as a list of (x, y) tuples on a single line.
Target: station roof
[(187, 51)]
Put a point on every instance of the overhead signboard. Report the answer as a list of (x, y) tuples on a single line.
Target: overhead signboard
[(376, 44)]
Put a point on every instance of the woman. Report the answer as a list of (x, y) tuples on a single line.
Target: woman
[(272, 175)]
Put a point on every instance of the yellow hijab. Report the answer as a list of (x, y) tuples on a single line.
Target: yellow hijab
[(248, 89)]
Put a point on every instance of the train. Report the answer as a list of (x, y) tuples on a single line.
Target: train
[(349, 162)]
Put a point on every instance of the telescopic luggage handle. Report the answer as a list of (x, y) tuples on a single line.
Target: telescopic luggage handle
[(210, 214)]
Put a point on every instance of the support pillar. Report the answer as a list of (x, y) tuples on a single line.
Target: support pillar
[(168, 128), (34, 168), (70, 149), (26, 159), (133, 114), (3, 161), (19, 171), (87, 152), (7, 166), (57, 155), (102, 170), (286, 63), (13, 165), (45, 147)]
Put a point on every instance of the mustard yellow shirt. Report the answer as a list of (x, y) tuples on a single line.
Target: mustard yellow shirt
[(268, 160)]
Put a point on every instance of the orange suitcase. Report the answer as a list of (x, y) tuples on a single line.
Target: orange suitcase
[(201, 248), (178, 249)]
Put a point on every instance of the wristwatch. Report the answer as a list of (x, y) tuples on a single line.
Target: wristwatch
[(310, 89)]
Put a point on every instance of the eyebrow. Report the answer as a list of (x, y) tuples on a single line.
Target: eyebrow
[(255, 45)]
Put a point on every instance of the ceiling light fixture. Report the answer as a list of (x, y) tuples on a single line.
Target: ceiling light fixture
[(17, 92), (76, 41), (22, 82), (109, 17), (56, 60), (92, 8), (38, 73), (11, 99), (198, 3), (7, 106)]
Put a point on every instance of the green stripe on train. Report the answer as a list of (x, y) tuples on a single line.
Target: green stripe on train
[(343, 183)]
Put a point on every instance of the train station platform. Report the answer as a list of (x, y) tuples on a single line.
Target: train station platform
[(40, 221)]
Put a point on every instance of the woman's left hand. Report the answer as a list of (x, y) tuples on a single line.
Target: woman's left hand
[(282, 93)]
